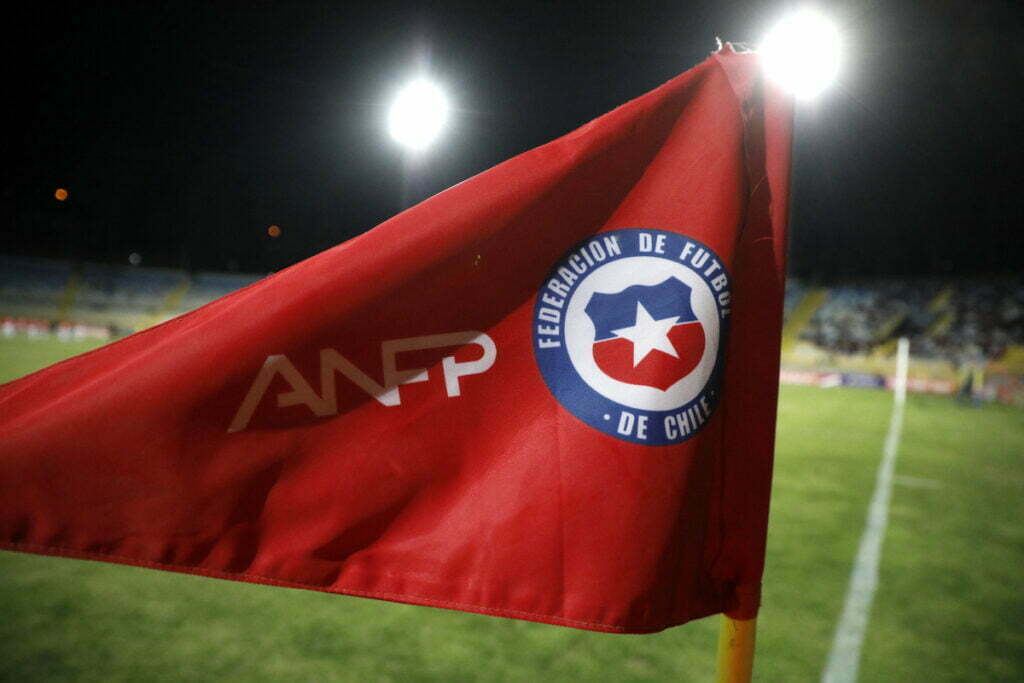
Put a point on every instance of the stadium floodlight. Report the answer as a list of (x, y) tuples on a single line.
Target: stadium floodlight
[(418, 114), (801, 53)]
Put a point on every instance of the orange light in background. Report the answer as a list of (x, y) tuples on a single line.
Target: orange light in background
[(61, 194), (274, 231)]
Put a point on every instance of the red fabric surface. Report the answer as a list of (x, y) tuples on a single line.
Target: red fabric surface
[(495, 500)]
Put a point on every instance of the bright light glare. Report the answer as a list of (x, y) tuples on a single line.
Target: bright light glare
[(802, 53), (418, 114)]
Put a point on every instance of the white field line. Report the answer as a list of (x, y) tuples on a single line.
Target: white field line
[(844, 657)]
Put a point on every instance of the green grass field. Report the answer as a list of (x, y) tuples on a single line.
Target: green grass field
[(950, 604)]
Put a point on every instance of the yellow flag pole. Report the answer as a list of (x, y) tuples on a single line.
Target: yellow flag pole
[(736, 650)]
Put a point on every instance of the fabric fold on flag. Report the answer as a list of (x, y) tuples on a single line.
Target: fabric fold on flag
[(547, 393)]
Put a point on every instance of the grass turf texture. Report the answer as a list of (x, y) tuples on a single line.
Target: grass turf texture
[(949, 606), (20, 356)]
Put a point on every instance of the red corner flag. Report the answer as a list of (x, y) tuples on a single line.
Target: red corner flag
[(547, 393)]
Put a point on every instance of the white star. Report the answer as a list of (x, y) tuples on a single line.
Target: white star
[(648, 334)]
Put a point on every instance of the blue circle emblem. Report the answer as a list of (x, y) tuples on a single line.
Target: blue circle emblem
[(629, 333)]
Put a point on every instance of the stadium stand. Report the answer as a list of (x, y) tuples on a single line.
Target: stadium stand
[(944, 321), (847, 333), (205, 287), (126, 298), (40, 297), (954, 326), (33, 288), (978, 318), (795, 293), (858, 318)]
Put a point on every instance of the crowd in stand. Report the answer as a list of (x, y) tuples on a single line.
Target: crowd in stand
[(959, 321), (853, 319), (984, 319)]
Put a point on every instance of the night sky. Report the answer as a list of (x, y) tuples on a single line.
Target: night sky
[(183, 131)]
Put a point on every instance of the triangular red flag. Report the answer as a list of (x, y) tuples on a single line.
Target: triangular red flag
[(547, 393)]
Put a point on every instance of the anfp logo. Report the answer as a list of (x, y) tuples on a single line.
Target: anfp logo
[(629, 334)]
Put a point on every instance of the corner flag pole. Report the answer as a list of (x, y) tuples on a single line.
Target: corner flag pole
[(779, 51), (736, 650)]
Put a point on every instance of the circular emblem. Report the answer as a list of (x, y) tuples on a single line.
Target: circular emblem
[(629, 333)]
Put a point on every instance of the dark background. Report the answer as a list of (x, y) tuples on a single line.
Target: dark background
[(182, 131)]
